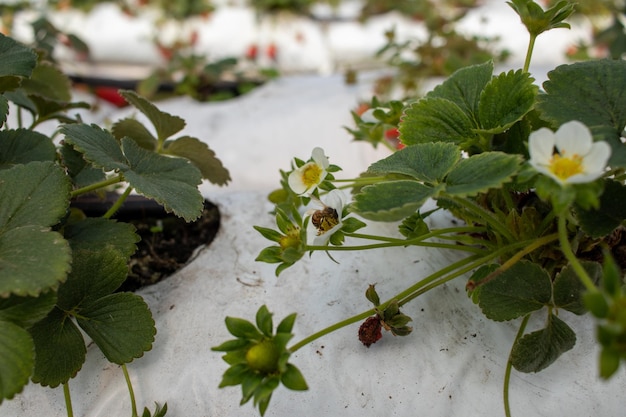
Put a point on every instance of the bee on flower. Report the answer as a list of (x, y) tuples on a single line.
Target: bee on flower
[(327, 220), (569, 155), (305, 179)]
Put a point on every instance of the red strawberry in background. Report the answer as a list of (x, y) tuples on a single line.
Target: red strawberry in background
[(392, 136), (272, 51), (111, 95), (252, 52)]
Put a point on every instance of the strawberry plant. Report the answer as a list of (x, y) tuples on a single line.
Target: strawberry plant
[(61, 270)]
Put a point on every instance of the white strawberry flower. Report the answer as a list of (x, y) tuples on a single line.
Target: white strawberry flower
[(304, 180), (569, 155)]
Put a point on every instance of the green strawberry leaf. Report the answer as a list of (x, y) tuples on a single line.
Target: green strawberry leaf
[(121, 324), (465, 86), (434, 119), (171, 182), (26, 311), (591, 92), (59, 349), (201, 156), (16, 359), (165, 124), (33, 194), (391, 201), (481, 172), (96, 233), (136, 131), (15, 58), (505, 100), (98, 146), (32, 258), (22, 146), (95, 274), (612, 211), (538, 350), (428, 162), (49, 82), (568, 290), (82, 172), (519, 290)]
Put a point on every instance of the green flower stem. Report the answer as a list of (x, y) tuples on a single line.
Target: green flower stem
[(517, 257), (566, 248), (454, 270), (529, 52), (96, 186), (120, 201), (418, 241), (68, 399), (130, 390), (394, 244), (330, 329), (485, 216), (509, 367)]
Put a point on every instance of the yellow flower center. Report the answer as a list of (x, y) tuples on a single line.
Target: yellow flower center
[(565, 167), (311, 175)]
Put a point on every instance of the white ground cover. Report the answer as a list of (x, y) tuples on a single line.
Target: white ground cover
[(451, 365)]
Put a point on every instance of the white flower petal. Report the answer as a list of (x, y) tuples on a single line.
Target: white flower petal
[(323, 239), (541, 146), (336, 199), (597, 158), (573, 138), (296, 183), (320, 158)]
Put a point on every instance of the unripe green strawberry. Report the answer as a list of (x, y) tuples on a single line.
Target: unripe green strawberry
[(263, 357)]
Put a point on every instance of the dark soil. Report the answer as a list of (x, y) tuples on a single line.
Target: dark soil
[(167, 242)]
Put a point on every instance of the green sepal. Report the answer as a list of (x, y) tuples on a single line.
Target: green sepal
[(242, 328), (372, 295), (269, 234), (232, 345), (264, 321), (286, 325), (293, 379)]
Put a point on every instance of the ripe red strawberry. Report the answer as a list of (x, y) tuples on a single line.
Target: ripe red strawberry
[(272, 51), (252, 52), (111, 95)]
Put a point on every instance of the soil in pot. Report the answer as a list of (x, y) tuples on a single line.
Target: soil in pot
[(167, 242)]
